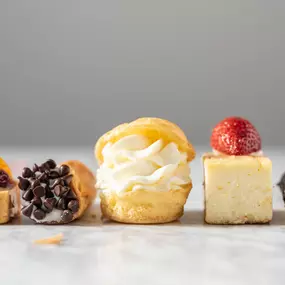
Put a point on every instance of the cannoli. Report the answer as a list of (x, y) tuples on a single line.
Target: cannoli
[(56, 194)]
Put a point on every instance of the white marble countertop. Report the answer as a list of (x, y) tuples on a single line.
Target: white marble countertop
[(184, 252)]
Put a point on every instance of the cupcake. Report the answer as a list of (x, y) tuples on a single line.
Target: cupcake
[(144, 173)]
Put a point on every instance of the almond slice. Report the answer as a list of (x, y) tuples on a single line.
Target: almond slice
[(51, 240)]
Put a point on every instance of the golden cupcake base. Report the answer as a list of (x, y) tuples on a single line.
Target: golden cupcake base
[(144, 207)]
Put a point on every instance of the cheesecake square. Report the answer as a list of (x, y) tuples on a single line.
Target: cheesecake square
[(237, 189)]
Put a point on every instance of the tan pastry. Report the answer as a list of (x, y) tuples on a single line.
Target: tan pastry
[(144, 173), (9, 194), (56, 194)]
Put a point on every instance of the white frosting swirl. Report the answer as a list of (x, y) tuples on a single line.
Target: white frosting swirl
[(133, 163)]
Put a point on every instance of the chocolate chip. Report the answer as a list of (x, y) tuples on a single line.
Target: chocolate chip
[(57, 190), (42, 168), (49, 194), (67, 179), (51, 163), (27, 211), (64, 170), (36, 183), (43, 177), (27, 172), (58, 181), (39, 214), (66, 216), (53, 174), (64, 190), (39, 191), (61, 205), (37, 202), (35, 168), (73, 205), (49, 203), (28, 195), (23, 184), (70, 195)]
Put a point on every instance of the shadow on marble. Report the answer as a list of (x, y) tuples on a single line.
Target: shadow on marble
[(90, 219), (93, 218)]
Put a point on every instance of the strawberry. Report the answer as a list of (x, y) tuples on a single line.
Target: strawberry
[(235, 136)]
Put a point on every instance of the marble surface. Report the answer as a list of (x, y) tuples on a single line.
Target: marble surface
[(95, 251)]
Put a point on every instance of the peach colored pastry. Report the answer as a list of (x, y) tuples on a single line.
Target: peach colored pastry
[(237, 176), (144, 175), (56, 194), (9, 194)]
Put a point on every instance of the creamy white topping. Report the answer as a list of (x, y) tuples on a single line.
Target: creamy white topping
[(258, 153), (133, 163), (54, 216)]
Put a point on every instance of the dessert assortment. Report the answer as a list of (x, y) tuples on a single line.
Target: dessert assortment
[(144, 178), (56, 194), (237, 176), (144, 175)]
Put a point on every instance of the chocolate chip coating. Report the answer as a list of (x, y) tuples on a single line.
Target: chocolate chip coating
[(51, 163), (49, 203), (42, 168), (66, 216), (64, 190), (53, 174), (64, 170), (57, 181), (24, 183), (57, 190), (39, 214), (48, 187), (39, 191), (37, 202), (28, 195), (49, 194), (281, 185), (73, 205), (36, 183), (68, 179), (61, 204), (27, 172), (27, 211), (43, 177), (70, 195), (35, 168)]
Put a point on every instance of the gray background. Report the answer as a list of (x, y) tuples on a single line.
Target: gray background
[(71, 70)]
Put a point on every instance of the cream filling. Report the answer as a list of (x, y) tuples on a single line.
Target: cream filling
[(53, 216), (258, 153), (133, 163)]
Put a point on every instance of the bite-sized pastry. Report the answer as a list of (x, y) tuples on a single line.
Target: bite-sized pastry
[(144, 173), (237, 176), (56, 194), (9, 194)]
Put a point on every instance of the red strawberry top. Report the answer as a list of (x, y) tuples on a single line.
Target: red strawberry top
[(235, 136)]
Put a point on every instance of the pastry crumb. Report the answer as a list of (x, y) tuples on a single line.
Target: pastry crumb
[(51, 240)]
